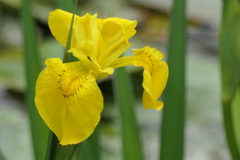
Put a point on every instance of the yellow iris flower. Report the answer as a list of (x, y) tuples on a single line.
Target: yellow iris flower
[(67, 95)]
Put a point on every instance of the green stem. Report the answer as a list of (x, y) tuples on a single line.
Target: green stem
[(68, 45)]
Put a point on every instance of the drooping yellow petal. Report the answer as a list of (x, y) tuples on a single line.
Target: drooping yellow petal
[(155, 74), (69, 100), (154, 85), (59, 23)]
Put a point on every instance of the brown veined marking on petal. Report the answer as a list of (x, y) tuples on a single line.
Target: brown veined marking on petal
[(71, 81), (149, 62), (89, 58)]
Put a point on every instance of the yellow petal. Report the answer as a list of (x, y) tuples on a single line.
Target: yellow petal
[(59, 23), (154, 85), (155, 74), (87, 31), (109, 36), (87, 28), (127, 25), (82, 52), (114, 40), (69, 100)]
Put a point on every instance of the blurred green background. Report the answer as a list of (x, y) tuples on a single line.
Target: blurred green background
[(204, 132)]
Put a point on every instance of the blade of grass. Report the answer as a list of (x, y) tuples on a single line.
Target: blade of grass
[(131, 144), (38, 128), (56, 151), (230, 63), (172, 137)]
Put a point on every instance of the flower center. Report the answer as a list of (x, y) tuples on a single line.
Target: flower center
[(71, 81)]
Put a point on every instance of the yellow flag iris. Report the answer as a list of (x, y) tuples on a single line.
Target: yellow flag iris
[(67, 95)]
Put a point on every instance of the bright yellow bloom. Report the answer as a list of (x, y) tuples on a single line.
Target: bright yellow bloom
[(67, 95)]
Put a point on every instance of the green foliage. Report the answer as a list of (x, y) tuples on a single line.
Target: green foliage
[(172, 138), (230, 64), (58, 152), (90, 149), (131, 145), (236, 116), (38, 127)]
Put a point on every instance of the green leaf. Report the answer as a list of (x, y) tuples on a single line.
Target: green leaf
[(230, 49), (131, 144), (58, 152), (90, 149), (230, 63), (38, 127), (236, 116), (172, 137)]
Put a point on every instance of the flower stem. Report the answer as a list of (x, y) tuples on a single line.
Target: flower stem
[(68, 45)]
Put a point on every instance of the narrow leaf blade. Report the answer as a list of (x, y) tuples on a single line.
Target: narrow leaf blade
[(131, 144), (38, 128), (173, 122), (230, 63)]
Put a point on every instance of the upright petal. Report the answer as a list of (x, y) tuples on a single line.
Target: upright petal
[(108, 36), (82, 52), (127, 25), (87, 30), (59, 23), (69, 100), (115, 41)]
